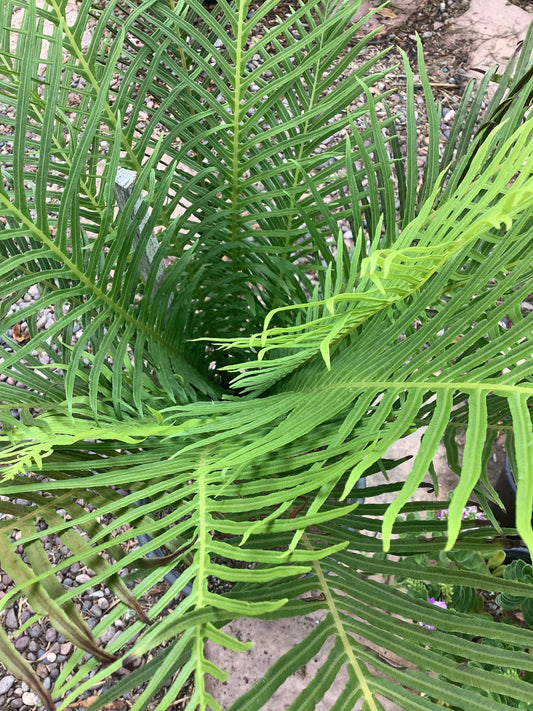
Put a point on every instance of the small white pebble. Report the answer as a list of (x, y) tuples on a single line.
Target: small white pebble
[(30, 699), (449, 116), (82, 578)]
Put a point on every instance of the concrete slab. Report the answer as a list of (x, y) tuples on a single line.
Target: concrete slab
[(492, 30), (275, 638)]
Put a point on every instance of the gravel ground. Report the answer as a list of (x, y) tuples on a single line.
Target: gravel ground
[(41, 645)]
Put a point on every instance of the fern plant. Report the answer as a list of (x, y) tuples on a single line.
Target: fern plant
[(221, 369)]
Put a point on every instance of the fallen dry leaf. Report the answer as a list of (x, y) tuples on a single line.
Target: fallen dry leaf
[(386, 12), (83, 704), (116, 705), (18, 335)]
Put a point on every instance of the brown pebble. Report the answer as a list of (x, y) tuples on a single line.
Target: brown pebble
[(42, 670), (65, 648)]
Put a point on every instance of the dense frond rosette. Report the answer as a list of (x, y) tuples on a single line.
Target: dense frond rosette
[(127, 445)]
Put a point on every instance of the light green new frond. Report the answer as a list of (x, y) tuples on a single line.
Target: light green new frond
[(28, 445), (483, 202), (190, 510)]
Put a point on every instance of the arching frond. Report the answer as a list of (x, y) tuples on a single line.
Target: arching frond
[(127, 446)]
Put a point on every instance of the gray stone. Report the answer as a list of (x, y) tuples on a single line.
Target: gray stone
[(6, 682), (11, 621), (22, 643), (108, 635), (35, 630)]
